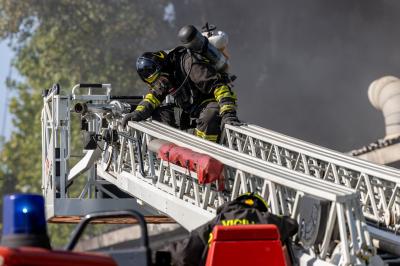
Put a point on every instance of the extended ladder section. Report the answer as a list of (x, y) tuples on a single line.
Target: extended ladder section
[(333, 230), (176, 191), (378, 185)]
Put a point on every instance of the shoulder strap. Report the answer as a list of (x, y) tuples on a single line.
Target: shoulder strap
[(175, 53)]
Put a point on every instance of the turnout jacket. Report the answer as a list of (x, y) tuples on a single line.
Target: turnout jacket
[(193, 250), (193, 82)]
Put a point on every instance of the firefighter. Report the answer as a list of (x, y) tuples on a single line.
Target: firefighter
[(248, 208), (203, 93)]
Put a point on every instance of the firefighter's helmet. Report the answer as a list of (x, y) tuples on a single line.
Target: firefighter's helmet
[(150, 64), (253, 200)]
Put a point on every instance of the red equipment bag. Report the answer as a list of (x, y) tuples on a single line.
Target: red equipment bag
[(30, 256), (245, 245), (207, 168)]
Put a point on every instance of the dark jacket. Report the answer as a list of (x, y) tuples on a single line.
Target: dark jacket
[(193, 81), (193, 250)]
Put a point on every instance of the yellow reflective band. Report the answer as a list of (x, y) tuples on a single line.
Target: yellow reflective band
[(227, 107), (152, 99), (221, 90), (140, 108), (203, 135), (152, 104), (211, 138), (226, 95), (152, 78), (199, 133)]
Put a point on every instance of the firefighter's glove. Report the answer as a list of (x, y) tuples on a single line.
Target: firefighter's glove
[(230, 118), (134, 116)]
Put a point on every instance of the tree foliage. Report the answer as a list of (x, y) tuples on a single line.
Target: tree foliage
[(69, 42), (74, 41)]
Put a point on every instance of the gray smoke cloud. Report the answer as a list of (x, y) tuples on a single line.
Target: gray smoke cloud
[(304, 67)]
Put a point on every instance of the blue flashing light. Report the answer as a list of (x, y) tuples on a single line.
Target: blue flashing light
[(23, 214)]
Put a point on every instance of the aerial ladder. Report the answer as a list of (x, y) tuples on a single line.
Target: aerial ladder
[(320, 188), (378, 185)]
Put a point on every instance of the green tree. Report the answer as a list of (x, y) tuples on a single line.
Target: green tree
[(69, 42)]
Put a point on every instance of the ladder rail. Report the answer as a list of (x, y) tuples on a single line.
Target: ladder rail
[(384, 172), (247, 163), (379, 186)]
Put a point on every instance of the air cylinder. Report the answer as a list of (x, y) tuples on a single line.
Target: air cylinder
[(193, 40)]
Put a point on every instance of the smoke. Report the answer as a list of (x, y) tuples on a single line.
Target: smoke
[(304, 67)]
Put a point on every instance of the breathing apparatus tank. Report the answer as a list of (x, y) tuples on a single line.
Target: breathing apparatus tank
[(209, 46)]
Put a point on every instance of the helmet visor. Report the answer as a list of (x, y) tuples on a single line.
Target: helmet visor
[(147, 69)]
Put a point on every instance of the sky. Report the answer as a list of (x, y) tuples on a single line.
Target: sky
[(6, 55)]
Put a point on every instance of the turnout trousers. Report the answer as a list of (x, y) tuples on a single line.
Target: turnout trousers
[(208, 123)]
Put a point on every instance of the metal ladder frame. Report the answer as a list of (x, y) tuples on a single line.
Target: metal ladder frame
[(164, 186), (379, 186), (175, 191), (56, 175)]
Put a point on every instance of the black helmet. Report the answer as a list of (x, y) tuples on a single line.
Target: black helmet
[(253, 200), (246, 200), (149, 65)]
